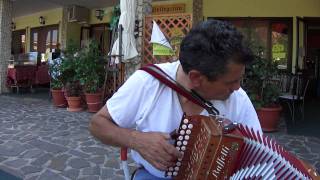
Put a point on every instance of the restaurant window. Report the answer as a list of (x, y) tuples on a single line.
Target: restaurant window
[(44, 38), (280, 44), (271, 35), (48, 40), (54, 40), (34, 45), (18, 43)]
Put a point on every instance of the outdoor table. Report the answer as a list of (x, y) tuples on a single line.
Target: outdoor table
[(21, 76), (42, 75)]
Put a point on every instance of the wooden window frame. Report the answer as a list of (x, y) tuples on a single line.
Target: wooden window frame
[(287, 20), (43, 29)]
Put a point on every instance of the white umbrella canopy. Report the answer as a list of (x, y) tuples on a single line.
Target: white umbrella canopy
[(127, 20)]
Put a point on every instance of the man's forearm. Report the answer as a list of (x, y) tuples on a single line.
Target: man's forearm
[(152, 146), (109, 133)]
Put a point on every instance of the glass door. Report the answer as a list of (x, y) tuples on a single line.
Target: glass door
[(44, 38)]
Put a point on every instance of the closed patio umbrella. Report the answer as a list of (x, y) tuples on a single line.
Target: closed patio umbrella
[(127, 20)]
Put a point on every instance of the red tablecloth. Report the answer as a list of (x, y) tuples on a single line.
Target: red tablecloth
[(21, 75), (42, 75), (28, 75)]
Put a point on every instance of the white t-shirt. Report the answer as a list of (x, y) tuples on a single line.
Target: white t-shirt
[(146, 104)]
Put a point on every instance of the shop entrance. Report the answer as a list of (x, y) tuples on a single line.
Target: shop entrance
[(312, 60)]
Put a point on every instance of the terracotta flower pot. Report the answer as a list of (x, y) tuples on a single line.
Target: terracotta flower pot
[(94, 101), (74, 104), (269, 118), (58, 98)]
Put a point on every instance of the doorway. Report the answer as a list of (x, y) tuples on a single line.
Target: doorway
[(98, 32), (312, 60)]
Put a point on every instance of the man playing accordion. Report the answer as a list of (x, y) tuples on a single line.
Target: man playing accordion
[(142, 113)]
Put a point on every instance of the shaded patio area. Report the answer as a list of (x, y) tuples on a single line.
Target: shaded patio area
[(311, 124), (39, 141)]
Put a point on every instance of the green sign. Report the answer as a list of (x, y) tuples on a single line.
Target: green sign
[(280, 55), (278, 48), (160, 50), (278, 51)]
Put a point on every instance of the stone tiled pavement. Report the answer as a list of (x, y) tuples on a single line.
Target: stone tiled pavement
[(39, 141)]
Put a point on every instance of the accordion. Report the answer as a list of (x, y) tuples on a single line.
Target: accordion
[(213, 149)]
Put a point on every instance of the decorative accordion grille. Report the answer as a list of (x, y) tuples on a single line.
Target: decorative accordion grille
[(169, 25), (264, 158)]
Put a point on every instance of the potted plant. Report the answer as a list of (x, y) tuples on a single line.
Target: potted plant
[(70, 61), (263, 89), (56, 84), (91, 74)]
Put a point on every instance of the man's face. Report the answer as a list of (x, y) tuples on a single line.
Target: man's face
[(224, 85)]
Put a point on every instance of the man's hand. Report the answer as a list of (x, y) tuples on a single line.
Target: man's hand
[(155, 148)]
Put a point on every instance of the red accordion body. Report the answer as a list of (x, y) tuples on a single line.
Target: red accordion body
[(212, 152)]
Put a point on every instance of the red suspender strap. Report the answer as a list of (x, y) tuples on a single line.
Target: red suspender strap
[(163, 77)]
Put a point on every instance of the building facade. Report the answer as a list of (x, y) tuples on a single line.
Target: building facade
[(287, 30)]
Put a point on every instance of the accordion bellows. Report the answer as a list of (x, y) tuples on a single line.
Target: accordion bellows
[(211, 151)]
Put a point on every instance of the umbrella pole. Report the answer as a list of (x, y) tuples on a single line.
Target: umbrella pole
[(120, 55), (124, 163), (110, 68)]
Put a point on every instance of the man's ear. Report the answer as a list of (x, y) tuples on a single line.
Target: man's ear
[(196, 78)]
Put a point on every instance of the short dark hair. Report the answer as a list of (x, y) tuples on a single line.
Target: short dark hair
[(210, 46)]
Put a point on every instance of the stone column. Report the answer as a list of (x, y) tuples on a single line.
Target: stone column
[(197, 11), (143, 8), (63, 28), (5, 41)]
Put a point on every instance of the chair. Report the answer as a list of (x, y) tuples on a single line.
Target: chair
[(124, 163), (284, 82), (296, 88)]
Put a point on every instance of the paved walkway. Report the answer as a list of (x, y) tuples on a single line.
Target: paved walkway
[(39, 141)]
